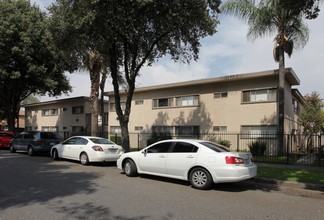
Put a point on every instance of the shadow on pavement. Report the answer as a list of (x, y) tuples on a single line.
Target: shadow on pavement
[(25, 181)]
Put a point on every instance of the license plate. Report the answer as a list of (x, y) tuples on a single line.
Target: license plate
[(52, 144), (112, 150)]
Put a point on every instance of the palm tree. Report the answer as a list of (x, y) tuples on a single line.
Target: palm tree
[(266, 17)]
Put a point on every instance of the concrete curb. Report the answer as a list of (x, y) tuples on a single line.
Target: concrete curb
[(311, 186)]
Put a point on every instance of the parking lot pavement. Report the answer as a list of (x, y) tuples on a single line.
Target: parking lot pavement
[(39, 188)]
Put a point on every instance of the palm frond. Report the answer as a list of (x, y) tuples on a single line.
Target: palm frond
[(239, 8)]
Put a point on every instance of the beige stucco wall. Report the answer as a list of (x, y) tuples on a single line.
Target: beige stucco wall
[(64, 120), (230, 111)]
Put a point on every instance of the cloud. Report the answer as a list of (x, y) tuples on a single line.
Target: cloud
[(229, 52)]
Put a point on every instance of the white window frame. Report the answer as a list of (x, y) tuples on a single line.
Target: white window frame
[(183, 101)]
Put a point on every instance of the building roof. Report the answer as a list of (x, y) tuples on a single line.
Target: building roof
[(57, 101), (291, 77)]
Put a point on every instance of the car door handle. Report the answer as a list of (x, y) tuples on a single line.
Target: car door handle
[(190, 157), (161, 156)]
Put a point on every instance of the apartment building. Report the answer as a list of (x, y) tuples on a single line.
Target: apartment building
[(244, 103), (71, 116)]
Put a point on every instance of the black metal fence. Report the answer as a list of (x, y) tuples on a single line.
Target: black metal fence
[(298, 149)]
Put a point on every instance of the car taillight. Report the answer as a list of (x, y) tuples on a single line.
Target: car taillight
[(97, 148), (234, 160), (252, 159), (40, 141)]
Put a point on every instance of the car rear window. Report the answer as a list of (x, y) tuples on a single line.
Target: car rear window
[(100, 141), (215, 147), (50, 135)]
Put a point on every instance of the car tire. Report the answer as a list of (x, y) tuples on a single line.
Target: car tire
[(12, 149), (84, 159), (55, 155), (200, 178), (30, 151), (130, 168)]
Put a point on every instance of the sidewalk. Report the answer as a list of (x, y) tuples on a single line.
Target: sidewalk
[(311, 186)]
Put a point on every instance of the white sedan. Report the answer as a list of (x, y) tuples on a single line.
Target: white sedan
[(201, 162), (87, 149)]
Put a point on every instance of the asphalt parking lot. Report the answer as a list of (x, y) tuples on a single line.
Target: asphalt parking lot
[(39, 188)]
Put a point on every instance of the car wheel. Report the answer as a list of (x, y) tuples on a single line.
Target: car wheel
[(200, 178), (30, 151), (12, 149), (84, 159), (55, 155), (130, 168)]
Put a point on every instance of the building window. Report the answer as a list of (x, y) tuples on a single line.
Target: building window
[(139, 102), (28, 113), (263, 95), (295, 106), (163, 129), (113, 106), (220, 128), (50, 128), (219, 95), (77, 110), (65, 109), (49, 112), (187, 100), (115, 130), (263, 131), (187, 130), (160, 103), (76, 129), (138, 128)]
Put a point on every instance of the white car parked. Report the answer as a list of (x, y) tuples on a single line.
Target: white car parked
[(201, 162), (87, 149)]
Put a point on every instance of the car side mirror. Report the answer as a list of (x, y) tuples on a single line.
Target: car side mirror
[(144, 152)]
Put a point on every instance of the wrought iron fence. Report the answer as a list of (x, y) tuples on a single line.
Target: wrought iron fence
[(298, 149)]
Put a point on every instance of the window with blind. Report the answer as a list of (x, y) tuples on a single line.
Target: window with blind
[(262, 95)]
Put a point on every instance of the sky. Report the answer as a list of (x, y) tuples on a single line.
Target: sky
[(227, 52)]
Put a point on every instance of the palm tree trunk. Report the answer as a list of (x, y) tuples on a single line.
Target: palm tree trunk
[(281, 101)]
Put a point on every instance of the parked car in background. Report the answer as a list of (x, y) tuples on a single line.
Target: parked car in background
[(87, 149), (5, 138), (201, 162), (35, 141)]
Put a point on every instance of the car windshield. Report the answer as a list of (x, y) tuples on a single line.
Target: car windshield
[(215, 147), (100, 141)]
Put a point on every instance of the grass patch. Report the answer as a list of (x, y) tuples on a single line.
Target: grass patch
[(274, 159), (291, 174)]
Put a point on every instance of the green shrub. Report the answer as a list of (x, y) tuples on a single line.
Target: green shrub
[(116, 141), (257, 148), (225, 143), (158, 136)]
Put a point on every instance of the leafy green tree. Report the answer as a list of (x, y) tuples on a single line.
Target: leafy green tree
[(308, 8), (266, 17), (134, 33), (311, 116), (29, 61), (73, 30)]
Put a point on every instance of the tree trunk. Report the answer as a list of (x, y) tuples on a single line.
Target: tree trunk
[(281, 101), (94, 69), (102, 104)]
